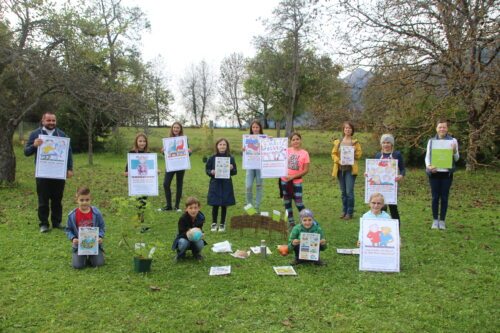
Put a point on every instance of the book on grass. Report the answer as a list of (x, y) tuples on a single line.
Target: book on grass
[(284, 270), (220, 270), (348, 251)]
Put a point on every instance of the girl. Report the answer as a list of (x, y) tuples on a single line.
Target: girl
[(291, 185), (387, 144), (346, 174), (220, 191), (440, 179), (85, 215), (376, 203), (254, 174), (175, 130)]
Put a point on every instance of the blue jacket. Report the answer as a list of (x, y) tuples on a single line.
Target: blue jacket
[(30, 149), (220, 191), (395, 155), (97, 221)]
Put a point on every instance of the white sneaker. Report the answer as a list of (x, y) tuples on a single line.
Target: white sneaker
[(213, 227), (442, 225), (222, 228), (179, 210), (435, 224)]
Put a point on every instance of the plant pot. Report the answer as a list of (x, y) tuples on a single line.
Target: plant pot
[(142, 265)]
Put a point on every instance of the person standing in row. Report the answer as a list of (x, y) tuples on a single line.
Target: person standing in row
[(254, 174), (346, 174), (440, 179), (49, 191)]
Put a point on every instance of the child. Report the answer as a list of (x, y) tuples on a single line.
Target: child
[(220, 191), (85, 215), (388, 152), (376, 203), (192, 218), (140, 146), (255, 129), (307, 225), (291, 185)]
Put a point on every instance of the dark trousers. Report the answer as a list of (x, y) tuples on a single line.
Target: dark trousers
[(215, 212), (296, 250), (440, 188), (50, 194), (394, 212), (169, 176)]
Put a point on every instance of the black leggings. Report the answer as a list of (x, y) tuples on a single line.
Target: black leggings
[(215, 212), (169, 176), (394, 212)]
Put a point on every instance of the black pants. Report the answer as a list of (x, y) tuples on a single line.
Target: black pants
[(169, 176), (394, 212), (50, 194), (215, 212)]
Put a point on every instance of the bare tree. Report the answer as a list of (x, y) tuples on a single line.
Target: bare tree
[(157, 91), (197, 89), (232, 76)]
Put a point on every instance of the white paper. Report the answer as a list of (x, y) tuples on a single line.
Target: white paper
[(309, 246), (222, 167), (142, 174), (256, 250), (264, 214), (222, 247), (88, 241), (220, 270), (346, 155), (381, 177), (274, 157), (52, 157), (240, 254), (284, 270), (176, 153), (251, 151), (348, 251), (379, 248)]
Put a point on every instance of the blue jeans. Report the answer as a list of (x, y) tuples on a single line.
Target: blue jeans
[(346, 183), (251, 175), (440, 188), (184, 244)]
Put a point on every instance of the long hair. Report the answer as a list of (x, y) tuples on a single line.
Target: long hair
[(228, 150), (259, 124), (136, 147), (181, 133)]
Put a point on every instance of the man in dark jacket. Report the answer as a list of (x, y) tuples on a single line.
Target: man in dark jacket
[(49, 191)]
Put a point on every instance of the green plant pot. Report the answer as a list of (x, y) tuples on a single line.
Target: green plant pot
[(142, 265)]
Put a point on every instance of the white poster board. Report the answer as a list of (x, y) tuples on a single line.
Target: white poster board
[(251, 151), (381, 177), (379, 248), (52, 157), (274, 157), (309, 246), (346, 155), (176, 153), (142, 174), (88, 241), (222, 167)]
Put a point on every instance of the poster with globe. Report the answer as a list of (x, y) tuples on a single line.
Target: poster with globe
[(52, 157), (88, 241)]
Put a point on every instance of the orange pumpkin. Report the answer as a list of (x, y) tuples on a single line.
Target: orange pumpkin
[(283, 250)]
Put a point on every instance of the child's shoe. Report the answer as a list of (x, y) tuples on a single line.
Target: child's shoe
[(435, 224), (442, 225), (320, 263), (222, 228), (213, 227), (348, 217), (198, 257)]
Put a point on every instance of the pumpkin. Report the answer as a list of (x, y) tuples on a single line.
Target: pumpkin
[(283, 250)]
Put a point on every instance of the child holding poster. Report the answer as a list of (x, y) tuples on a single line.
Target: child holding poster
[(85, 215), (310, 226), (220, 190), (376, 203), (291, 185), (254, 174), (190, 231)]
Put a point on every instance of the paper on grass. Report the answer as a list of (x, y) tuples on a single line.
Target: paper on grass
[(250, 209), (256, 250), (222, 247), (348, 251), (241, 254), (220, 270), (284, 270)]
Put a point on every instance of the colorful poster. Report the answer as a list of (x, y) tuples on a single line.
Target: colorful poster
[(52, 157), (142, 174), (442, 154), (88, 241), (381, 177), (284, 270), (176, 153), (251, 151), (274, 157), (346, 155), (222, 167), (309, 246), (379, 248)]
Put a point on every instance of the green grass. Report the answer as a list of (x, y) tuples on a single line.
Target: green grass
[(448, 280)]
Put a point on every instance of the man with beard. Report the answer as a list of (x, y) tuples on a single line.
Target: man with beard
[(49, 191)]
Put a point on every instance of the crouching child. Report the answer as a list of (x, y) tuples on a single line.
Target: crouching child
[(307, 225), (190, 234)]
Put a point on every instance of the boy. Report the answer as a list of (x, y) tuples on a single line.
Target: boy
[(192, 218), (307, 225)]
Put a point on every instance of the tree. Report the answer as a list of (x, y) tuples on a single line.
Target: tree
[(157, 91), (232, 75), (450, 46)]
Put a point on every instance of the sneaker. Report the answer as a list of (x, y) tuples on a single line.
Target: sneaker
[(348, 217), (60, 227), (179, 257), (44, 229), (320, 263), (441, 225), (435, 224), (295, 262), (198, 257), (213, 227), (144, 229), (164, 209), (178, 210), (342, 215), (222, 228)]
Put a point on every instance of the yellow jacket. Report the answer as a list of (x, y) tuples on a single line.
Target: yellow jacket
[(336, 157)]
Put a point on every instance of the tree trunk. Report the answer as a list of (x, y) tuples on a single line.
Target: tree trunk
[(471, 159), (7, 156), (90, 151)]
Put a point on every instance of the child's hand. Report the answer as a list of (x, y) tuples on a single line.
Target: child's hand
[(212, 172), (75, 241), (125, 174), (296, 242), (69, 174), (322, 242), (100, 240), (398, 178), (231, 167), (37, 142), (432, 169)]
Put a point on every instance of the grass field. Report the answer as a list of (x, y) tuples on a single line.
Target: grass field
[(448, 280)]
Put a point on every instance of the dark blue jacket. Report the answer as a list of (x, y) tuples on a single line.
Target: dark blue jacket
[(30, 149), (220, 191), (397, 156)]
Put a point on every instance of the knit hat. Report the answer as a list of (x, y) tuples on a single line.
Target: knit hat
[(387, 138), (305, 213)]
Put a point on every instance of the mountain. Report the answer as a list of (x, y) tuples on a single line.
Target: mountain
[(357, 81)]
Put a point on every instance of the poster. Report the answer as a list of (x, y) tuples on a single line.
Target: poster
[(309, 246), (88, 241), (274, 157), (442, 154), (219, 270), (381, 177), (346, 155), (52, 157), (284, 270), (176, 153), (379, 248), (251, 151), (222, 167), (142, 174)]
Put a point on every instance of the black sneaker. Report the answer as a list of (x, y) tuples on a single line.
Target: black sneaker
[(164, 209), (198, 257), (44, 229), (60, 227), (144, 229)]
